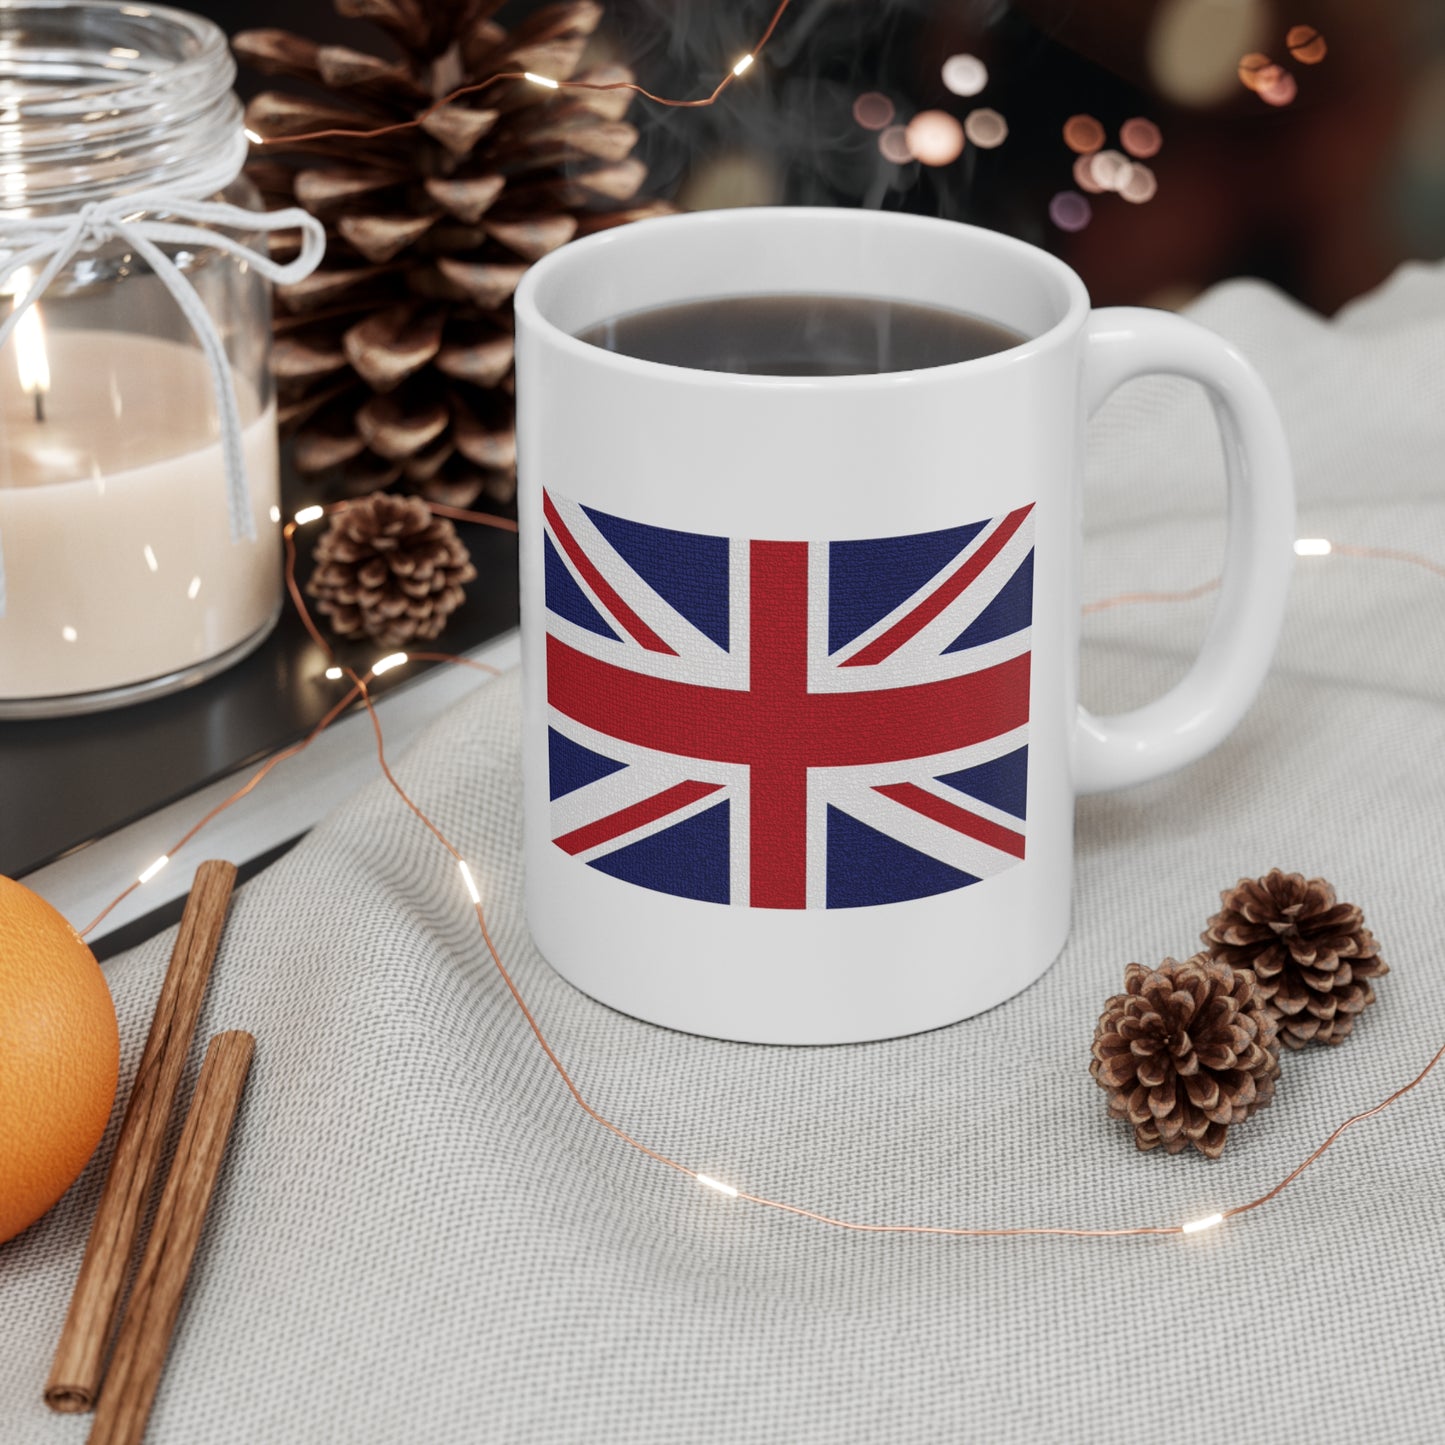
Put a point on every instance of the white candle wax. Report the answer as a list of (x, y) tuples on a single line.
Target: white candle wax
[(114, 522)]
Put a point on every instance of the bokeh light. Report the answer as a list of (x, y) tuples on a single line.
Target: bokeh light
[(1306, 44), (1083, 134), (965, 74), (1266, 76), (1070, 211), (872, 110), (1252, 66), (1141, 138), (985, 128), (1084, 175), (1140, 185), (894, 144), (1194, 46), (934, 137), (1110, 170), (1279, 88)]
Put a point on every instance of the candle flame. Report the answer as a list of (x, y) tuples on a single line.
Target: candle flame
[(31, 359)]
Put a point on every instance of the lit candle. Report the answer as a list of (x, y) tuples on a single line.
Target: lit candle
[(31, 359), (113, 514)]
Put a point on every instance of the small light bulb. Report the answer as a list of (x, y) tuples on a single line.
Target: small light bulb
[(469, 880), (256, 140), (333, 673), (385, 664), (1196, 1225), (309, 514), (709, 1182), (742, 65), (155, 868), (541, 80), (1313, 547)]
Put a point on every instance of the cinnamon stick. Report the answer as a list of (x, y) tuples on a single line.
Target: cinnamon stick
[(79, 1362), (155, 1298)]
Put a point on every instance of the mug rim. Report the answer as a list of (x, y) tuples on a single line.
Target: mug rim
[(529, 307)]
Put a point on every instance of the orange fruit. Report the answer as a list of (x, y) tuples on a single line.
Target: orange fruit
[(59, 1056)]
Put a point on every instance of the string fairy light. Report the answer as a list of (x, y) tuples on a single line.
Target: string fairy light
[(146, 874), (359, 691), (1303, 547), (1070, 210), (708, 1182), (1084, 136), (1198, 1226), (547, 82), (473, 891)]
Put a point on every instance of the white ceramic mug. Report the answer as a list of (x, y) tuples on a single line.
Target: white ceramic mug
[(800, 654)]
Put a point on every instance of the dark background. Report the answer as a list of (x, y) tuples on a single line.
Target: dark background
[(1323, 196)]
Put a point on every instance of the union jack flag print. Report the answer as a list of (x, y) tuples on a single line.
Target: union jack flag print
[(774, 724)]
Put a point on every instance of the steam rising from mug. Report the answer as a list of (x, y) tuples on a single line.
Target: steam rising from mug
[(792, 136)]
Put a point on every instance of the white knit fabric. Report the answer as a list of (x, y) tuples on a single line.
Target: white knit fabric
[(419, 1237)]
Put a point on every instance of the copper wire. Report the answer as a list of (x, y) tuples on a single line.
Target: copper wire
[(1388, 554), (359, 689), (344, 133), (254, 781), (1130, 599)]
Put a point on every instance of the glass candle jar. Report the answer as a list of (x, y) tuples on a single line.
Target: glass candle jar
[(128, 568)]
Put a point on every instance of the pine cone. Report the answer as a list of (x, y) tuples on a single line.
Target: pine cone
[(387, 569), (1313, 957), (1185, 1051), (394, 360)]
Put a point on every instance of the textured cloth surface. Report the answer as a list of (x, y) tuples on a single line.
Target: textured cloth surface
[(419, 1237)]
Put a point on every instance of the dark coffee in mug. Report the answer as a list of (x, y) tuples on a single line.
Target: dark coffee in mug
[(801, 335)]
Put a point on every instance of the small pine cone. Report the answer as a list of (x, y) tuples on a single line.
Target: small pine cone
[(1185, 1051), (1312, 956), (387, 569)]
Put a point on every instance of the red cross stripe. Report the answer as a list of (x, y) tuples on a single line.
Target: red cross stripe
[(776, 727)]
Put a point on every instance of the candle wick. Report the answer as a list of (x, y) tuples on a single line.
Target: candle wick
[(39, 404)]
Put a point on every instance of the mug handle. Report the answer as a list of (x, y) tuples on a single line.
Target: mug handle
[(1199, 712)]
